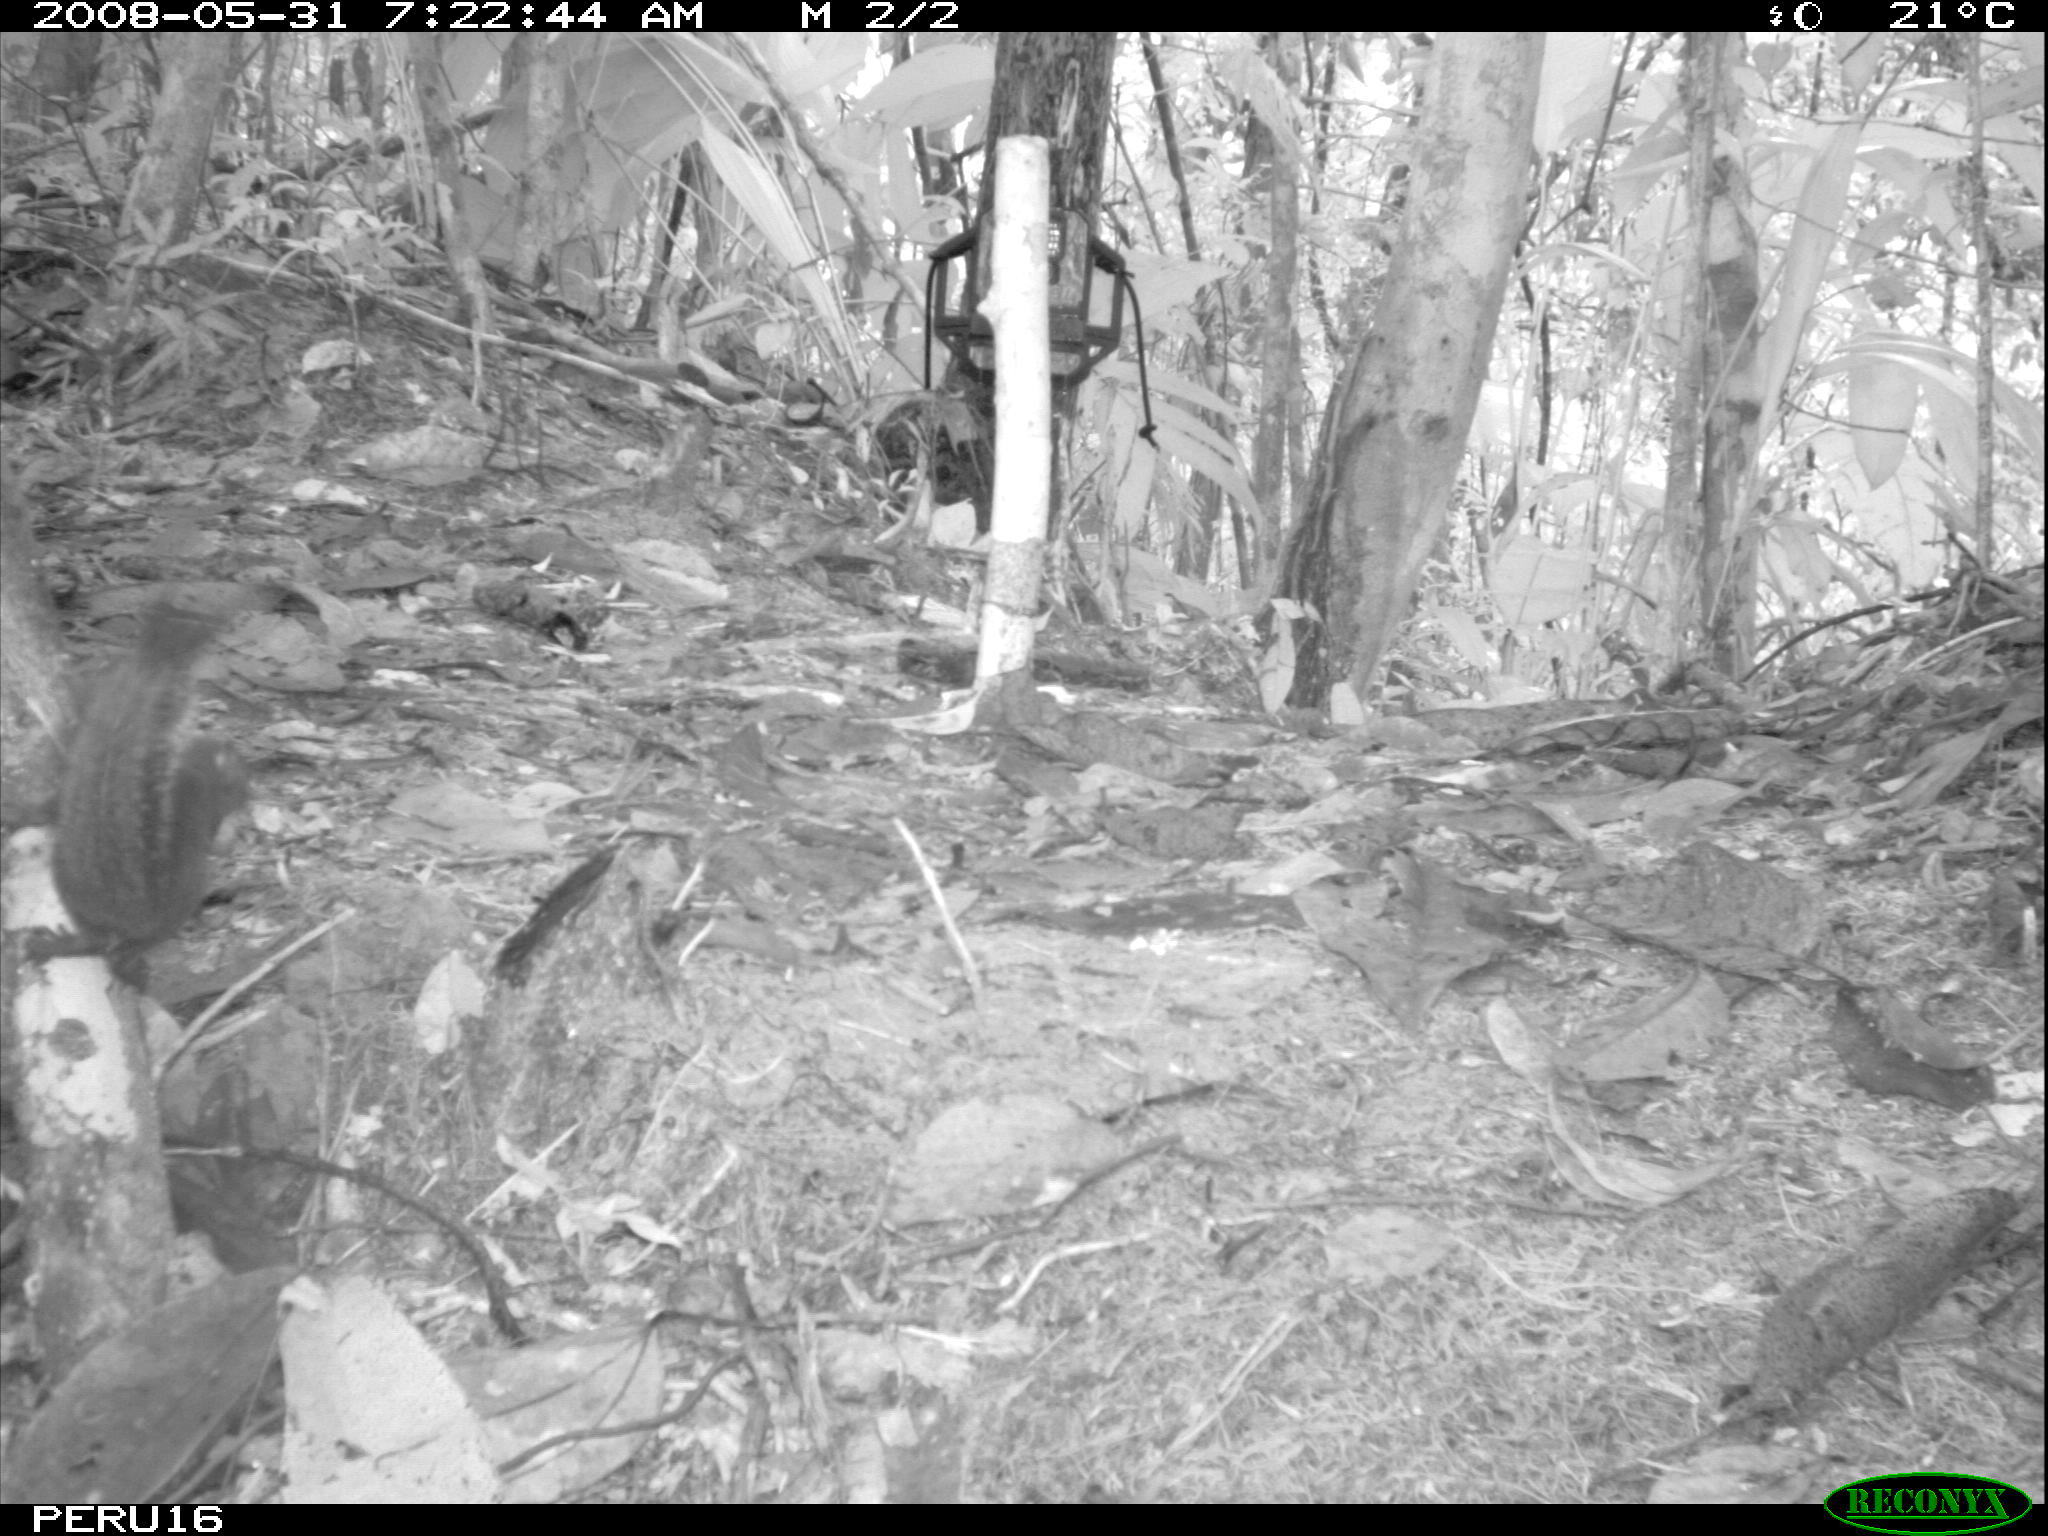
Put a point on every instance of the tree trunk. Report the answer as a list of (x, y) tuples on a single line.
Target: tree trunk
[(1394, 435), (165, 192), (1056, 86)]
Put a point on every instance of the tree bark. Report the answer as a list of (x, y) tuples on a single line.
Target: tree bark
[(1394, 435)]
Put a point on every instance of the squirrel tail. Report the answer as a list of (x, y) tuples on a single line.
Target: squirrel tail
[(172, 636)]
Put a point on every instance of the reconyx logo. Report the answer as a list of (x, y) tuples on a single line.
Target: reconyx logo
[(1949, 1503)]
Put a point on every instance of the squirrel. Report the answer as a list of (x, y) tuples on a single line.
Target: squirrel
[(143, 795)]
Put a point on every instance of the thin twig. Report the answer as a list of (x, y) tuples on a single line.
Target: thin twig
[(196, 1035), (931, 882)]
